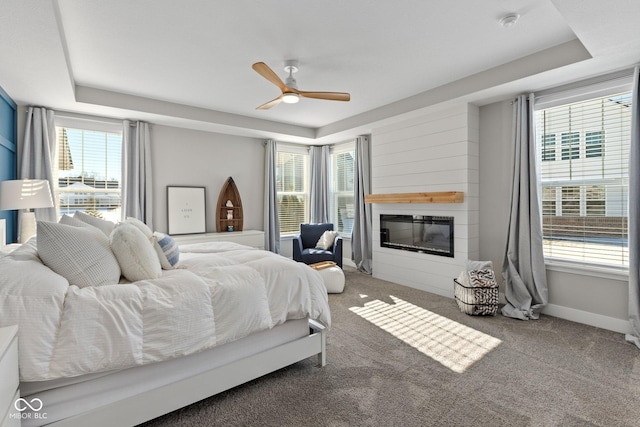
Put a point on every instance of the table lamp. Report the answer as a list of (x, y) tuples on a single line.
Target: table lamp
[(25, 194)]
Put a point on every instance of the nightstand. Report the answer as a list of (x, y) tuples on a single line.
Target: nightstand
[(254, 238), (9, 393)]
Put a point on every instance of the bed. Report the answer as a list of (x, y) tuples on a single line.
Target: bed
[(106, 355)]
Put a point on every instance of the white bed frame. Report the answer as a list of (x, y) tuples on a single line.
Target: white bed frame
[(160, 401)]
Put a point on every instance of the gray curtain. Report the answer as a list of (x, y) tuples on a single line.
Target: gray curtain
[(271, 221), (37, 154), (523, 269), (137, 189), (319, 158), (634, 214), (361, 242)]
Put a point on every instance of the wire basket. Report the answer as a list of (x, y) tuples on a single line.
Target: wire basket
[(476, 300)]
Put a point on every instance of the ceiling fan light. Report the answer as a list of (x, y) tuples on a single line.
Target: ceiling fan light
[(290, 98)]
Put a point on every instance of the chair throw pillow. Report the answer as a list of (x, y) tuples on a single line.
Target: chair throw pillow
[(167, 250), (80, 255), (135, 254), (326, 240)]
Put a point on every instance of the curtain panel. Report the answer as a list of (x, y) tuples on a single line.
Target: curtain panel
[(634, 214), (137, 188), (271, 221), (523, 270), (361, 235), (319, 159), (37, 154)]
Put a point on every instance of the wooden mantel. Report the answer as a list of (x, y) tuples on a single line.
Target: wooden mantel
[(433, 197)]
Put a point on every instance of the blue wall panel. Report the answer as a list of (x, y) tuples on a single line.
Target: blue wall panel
[(8, 156)]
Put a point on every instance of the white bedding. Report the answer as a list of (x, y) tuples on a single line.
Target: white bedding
[(223, 292)]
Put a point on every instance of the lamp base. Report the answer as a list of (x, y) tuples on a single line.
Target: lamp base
[(27, 226)]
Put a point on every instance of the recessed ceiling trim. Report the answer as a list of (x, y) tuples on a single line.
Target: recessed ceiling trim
[(549, 59), (153, 106), (546, 60), (63, 43)]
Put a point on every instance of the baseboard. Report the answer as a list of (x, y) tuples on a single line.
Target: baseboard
[(592, 319)]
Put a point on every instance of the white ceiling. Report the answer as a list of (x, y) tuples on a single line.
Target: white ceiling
[(188, 63)]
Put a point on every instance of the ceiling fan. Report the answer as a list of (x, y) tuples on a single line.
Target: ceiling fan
[(290, 93)]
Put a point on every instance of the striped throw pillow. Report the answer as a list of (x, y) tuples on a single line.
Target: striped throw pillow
[(167, 250)]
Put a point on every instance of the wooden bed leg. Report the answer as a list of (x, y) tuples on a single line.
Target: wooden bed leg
[(319, 329)]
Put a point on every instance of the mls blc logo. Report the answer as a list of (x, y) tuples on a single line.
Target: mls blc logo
[(35, 405)]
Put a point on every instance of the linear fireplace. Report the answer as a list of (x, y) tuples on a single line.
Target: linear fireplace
[(418, 233)]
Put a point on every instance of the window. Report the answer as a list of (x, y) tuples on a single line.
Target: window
[(292, 188), (89, 172), (548, 147), (570, 201), (584, 200), (595, 200), (570, 145), (595, 143), (342, 172)]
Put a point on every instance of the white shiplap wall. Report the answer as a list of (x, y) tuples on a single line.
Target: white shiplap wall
[(437, 151)]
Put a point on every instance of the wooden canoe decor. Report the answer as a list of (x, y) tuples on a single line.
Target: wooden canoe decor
[(229, 208), (433, 197)]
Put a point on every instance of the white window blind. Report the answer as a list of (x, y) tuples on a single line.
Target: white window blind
[(89, 172), (343, 163), (583, 149), (292, 189)]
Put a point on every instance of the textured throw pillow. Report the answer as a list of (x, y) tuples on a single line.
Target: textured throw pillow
[(105, 226), (478, 265), (167, 250), (135, 254), (80, 255), (326, 240), (69, 220), (140, 226)]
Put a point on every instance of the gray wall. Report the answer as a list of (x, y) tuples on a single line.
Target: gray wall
[(593, 297), (204, 159)]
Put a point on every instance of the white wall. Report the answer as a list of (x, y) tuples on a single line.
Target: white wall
[(590, 297), (436, 151), (204, 159)]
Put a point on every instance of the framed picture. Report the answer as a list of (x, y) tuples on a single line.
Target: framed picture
[(186, 210)]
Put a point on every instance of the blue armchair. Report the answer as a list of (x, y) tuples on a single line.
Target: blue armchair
[(304, 245)]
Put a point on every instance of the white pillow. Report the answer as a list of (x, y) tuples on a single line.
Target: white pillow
[(105, 226), (167, 250), (135, 254), (69, 220), (326, 240), (80, 255), (148, 233)]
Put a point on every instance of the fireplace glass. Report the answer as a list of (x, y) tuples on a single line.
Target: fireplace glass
[(418, 233)]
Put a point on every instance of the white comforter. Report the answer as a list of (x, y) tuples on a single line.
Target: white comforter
[(223, 292)]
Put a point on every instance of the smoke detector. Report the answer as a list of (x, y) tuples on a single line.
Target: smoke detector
[(509, 20)]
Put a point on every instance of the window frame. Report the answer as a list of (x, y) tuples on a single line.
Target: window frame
[(589, 149), (88, 124), (305, 194), (342, 148)]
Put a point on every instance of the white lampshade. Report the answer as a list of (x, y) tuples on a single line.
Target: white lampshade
[(25, 194)]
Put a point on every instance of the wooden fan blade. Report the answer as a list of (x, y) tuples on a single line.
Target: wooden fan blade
[(266, 72), (270, 104), (331, 96)]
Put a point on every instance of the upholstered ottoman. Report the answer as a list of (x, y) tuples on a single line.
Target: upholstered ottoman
[(331, 274)]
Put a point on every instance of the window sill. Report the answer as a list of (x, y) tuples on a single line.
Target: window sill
[(611, 273)]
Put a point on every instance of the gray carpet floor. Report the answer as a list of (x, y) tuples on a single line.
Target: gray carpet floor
[(398, 356)]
